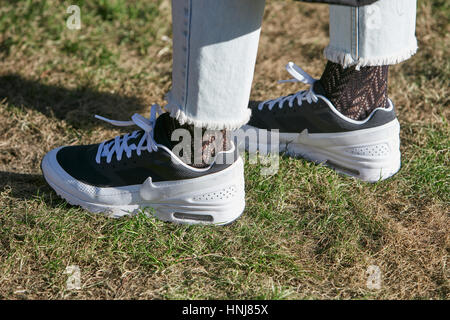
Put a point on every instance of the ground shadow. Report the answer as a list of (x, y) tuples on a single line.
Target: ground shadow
[(76, 106), (25, 186)]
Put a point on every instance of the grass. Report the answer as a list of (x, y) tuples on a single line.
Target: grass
[(307, 233)]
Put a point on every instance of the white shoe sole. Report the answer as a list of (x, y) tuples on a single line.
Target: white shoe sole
[(368, 154), (217, 198)]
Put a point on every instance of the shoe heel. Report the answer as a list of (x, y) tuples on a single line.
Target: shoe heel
[(370, 155)]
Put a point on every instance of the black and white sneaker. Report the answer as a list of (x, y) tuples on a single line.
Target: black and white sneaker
[(311, 127), (136, 171)]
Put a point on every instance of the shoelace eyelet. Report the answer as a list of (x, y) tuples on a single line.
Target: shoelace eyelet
[(299, 75), (119, 145)]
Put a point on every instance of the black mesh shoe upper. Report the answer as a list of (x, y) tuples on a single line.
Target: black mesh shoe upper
[(80, 163), (316, 117)]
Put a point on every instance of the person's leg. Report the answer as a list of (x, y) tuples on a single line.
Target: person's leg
[(363, 42), (346, 119), (382, 33), (215, 45)]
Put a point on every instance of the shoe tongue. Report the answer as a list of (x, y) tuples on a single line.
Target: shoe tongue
[(161, 132), (163, 127), (318, 88)]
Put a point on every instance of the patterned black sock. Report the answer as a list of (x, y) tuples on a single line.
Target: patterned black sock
[(213, 141), (356, 93)]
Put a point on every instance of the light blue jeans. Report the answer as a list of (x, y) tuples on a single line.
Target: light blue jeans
[(215, 43)]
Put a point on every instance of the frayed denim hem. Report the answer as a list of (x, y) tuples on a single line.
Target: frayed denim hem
[(177, 113), (347, 60)]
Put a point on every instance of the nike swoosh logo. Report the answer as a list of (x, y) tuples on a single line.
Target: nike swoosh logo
[(182, 190), (165, 190)]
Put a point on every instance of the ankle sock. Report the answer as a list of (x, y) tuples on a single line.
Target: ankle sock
[(213, 141), (356, 93)]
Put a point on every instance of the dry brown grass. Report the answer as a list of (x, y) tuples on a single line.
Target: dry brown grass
[(306, 233)]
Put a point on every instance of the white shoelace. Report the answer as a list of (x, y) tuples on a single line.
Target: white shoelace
[(120, 144), (299, 75)]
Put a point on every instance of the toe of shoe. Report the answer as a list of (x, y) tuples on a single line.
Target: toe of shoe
[(62, 182), (76, 191)]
